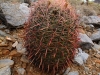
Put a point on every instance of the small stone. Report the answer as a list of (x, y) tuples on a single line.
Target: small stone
[(20, 48), (21, 71), (8, 38), (24, 59), (15, 44), (7, 31), (73, 73), (79, 60), (5, 71), (3, 33), (67, 71), (90, 19), (5, 52), (6, 62)]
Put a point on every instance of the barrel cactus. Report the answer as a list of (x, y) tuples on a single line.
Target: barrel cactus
[(50, 35)]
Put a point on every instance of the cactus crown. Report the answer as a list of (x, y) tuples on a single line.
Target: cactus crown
[(51, 35)]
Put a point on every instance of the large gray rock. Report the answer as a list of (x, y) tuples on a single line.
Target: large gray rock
[(6, 62), (84, 38), (15, 14), (5, 71), (85, 42), (90, 19)]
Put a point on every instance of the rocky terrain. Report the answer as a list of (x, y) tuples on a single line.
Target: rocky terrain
[(13, 59)]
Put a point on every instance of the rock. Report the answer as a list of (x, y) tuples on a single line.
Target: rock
[(5, 71), (20, 48), (84, 38), (8, 38), (67, 71), (81, 57), (24, 59), (6, 62), (21, 71), (84, 56), (7, 31), (97, 47), (73, 73), (85, 42), (15, 44), (3, 34), (90, 19), (16, 14), (95, 36), (79, 60)]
